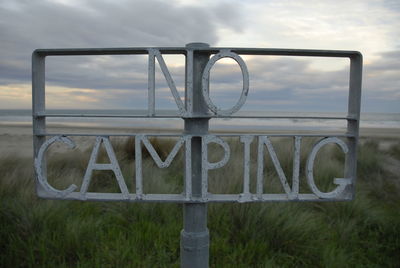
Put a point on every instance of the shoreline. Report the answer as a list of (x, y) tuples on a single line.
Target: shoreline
[(26, 129), (17, 138)]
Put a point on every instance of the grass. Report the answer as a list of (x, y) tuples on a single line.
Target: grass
[(53, 233)]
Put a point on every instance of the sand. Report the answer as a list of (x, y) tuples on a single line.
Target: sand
[(17, 139)]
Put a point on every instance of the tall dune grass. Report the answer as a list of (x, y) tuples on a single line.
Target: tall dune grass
[(53, 233)]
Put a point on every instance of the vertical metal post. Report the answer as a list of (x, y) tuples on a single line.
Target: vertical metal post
[(195, 237), (38, 106), (353, 125)]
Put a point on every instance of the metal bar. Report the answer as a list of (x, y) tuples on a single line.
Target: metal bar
[(286, 117), (296, 165), (108, 116), (246, 140), (291, 52), (210, 50), (255, 198), (189, 83), (188, 167), (353, 126), (179, 198), (138, 167), (38, 106), (151, 83), (38, 93), (107, 51), (195, 238), (197, 116), (346, 135)]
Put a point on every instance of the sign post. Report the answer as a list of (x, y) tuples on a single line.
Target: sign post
[(195, 236), (196, 111)]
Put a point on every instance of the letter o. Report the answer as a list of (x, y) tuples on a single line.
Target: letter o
[(206, 79)]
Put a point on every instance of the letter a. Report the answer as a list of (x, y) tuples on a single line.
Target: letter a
[(95, 166)]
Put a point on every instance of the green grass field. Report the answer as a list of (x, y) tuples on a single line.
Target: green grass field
[(54, 233)]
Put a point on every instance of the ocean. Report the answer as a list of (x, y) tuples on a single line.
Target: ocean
[(20, 117)]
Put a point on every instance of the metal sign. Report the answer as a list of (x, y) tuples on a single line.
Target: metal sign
[(196, 111)]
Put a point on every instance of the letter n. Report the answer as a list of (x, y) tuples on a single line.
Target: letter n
[(291, 192)]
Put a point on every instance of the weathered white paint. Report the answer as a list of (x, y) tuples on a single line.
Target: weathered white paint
[(184, 141), (196, 110), (246, 195), (170, 82), (113, 165), (42, 176), (341, 182), (206, 82), (206, 165), (291, 192)]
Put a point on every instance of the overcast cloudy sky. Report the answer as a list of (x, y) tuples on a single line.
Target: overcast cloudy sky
[(276, 83)]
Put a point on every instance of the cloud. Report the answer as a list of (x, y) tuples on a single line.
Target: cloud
[(368, 26), (275, 82), (98, 72), (381, 83), (281, 83), (14, 96), (26, 26), (290, 83)]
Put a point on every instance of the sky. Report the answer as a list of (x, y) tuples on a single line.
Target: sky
[(276, 83)]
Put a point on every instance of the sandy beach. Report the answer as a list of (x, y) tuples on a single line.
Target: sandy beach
[(17, 139)]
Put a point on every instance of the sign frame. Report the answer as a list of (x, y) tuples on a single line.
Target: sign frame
[(196, 112), (189, 111)]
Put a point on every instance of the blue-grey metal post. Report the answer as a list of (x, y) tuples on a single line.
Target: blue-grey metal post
[(195, 237)]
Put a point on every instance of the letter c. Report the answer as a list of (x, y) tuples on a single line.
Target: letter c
[(42, 178)]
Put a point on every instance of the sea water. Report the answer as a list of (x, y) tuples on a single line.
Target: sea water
[(23, 117)]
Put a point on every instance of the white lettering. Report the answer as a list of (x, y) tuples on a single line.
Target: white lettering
[(292, 193), (341, 182), (246, 140), (206, 80), (161, 164), (154, 53), (206, 166), (113, 165), (40, 168)]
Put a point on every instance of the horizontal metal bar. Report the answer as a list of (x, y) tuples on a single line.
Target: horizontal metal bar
[(177, 134), (108, 116), (212, 116), (132, 197), (180, 198), (182, 50), (280, 135), (107, 51), (253, 198), (286, 117), (345, 135), (292, 52)]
